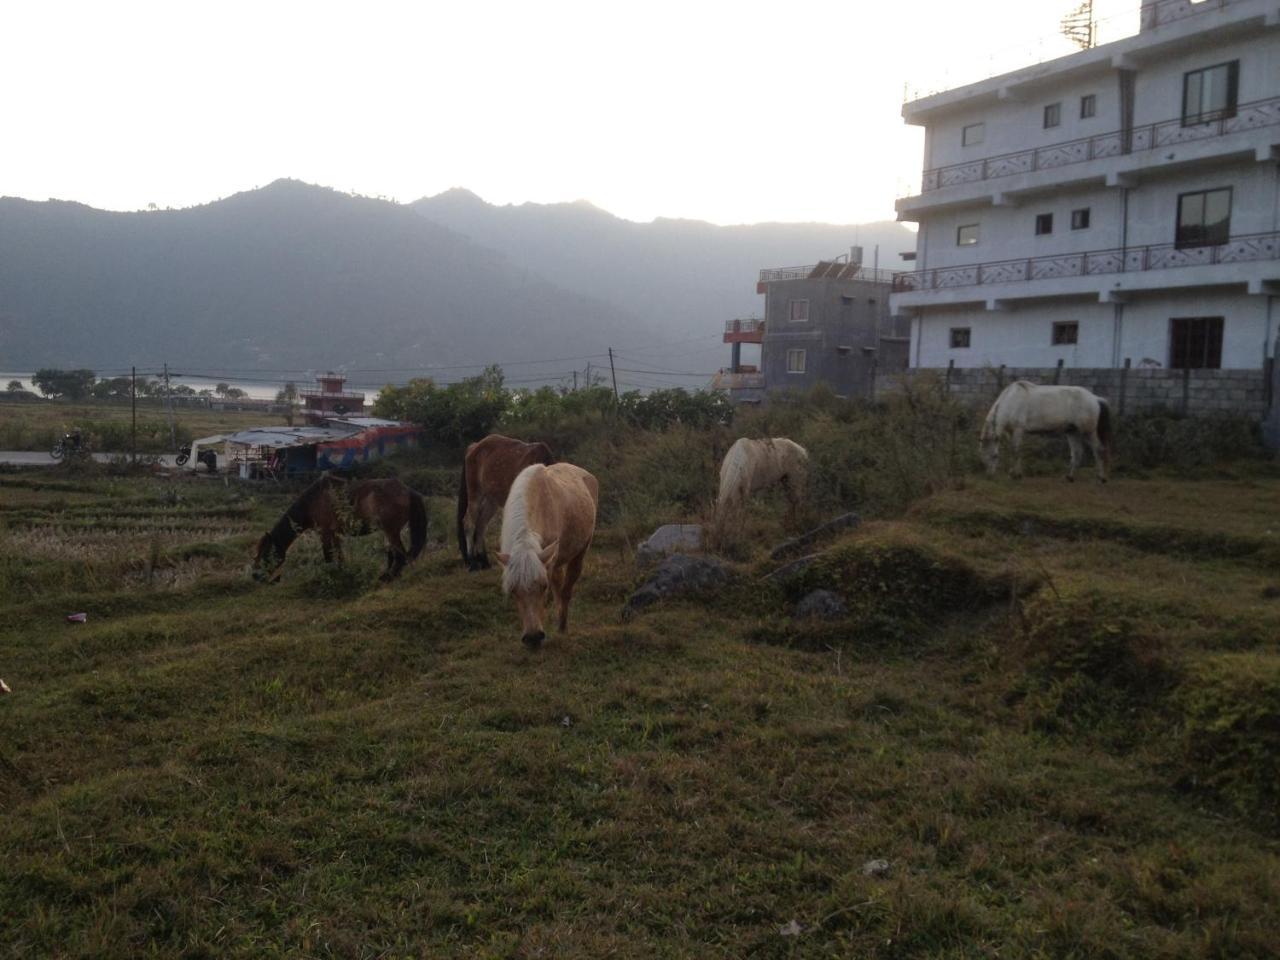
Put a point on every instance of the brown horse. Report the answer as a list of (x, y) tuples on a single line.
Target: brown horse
[(488, 471), (547, 527), (331, 504)]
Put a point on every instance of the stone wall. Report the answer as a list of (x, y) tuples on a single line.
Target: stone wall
[(1128, 390)]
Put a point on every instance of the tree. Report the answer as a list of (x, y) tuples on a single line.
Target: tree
[(15, 386), (453, 415), (67, 384), (233, 393), (289, 394), (112, 388), (221, 389)]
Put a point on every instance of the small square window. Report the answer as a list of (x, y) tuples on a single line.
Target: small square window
[(1052, 115), (973, 134), (798, 311), (1044, 224), (1080, 219), (1065, 334), (959, 338), (1088, 106), (967, 235), (795, 361)]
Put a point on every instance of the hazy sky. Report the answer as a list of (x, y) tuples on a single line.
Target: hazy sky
[(729, 112)]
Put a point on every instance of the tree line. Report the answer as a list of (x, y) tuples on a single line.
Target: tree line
[(83, 384)]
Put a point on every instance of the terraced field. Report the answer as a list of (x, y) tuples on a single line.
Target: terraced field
[(1053, 711)]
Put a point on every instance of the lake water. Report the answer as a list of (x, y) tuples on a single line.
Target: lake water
[(257, 391)]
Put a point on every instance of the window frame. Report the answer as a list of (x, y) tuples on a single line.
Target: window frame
[(1233, 95), (1088, 106), (1081, 218), (980, 126), (1210, 350), (1044, 224), (791, 310), (1183, 243), (1056, 115), (952, 338), (1057, 335), (803, 355), (975, 227)]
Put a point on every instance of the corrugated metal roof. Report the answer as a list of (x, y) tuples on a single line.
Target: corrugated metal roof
[(291, 436), (366, 422)]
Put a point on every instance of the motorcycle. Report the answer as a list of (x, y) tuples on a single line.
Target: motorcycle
[(184, 455), (70, 444)]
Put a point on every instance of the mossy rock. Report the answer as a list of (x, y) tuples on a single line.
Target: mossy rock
[(1230, 718)]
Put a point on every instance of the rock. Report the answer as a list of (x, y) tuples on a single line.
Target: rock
[(792, 929), (789, 570), (876, 868), (822, 604), (670, 538), (797, 545), (677, 575)]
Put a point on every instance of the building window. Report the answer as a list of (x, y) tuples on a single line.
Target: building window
[(798, 311), (1080, 219), (1044, 224), (959, 338), (1195, 343), (1204, 218), (1052, 115), (967, 235), (973, 134), (1066, 334), (795, 361), (1210, 94), (1088, 106)]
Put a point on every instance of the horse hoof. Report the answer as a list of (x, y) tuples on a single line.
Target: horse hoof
[(533, 641)]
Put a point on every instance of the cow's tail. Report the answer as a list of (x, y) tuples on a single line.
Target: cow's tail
[(417, 524), (462, 515)]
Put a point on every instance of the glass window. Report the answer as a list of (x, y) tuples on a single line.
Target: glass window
[(1080, 219), (1065, 334), (973, 134), (1044, 224), (798, 311), (959, 338), (1210, 94), (795, 361), (1052, 115), (1195, 343), (1204, 218), (967, 235), (1088, 106)]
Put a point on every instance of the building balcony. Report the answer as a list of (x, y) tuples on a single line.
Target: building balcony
[(1251, 259), (744, 331), (743, 380)]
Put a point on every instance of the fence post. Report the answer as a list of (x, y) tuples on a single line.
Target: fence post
[(951, 365), (1186, 390), (1000, 379), (1057, 373), (1124, 380)]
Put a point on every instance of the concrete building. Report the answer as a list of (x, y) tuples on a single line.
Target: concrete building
[(823, 323), (1118, 205), (330, 398)]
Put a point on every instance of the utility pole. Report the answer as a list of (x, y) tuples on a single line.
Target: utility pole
[(168, 409), (133, 400), (614, 373), (575, 381)]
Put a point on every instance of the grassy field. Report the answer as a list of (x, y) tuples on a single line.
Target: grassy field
[(35, 426), (1053, 710)]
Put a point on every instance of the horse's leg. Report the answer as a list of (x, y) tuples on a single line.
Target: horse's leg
[(572, 570), (1015, 442), (326, 544), (1077, 453), (1095, 447), (484, 513)]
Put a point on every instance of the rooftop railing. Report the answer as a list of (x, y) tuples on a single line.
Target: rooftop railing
[(743, 326), (1246, 116), (1243, 249), (807, 272)]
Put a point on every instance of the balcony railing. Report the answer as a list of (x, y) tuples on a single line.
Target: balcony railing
[(1247, 116), (1167, 11), (808, 273), (728, 380), (743, 326), (1243, 249)]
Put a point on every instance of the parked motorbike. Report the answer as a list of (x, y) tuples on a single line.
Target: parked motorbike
[(184, 454), (71, 444)]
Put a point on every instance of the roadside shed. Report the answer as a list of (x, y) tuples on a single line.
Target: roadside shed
[(333, 444)]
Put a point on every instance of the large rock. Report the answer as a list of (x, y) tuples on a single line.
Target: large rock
[(822, 605), (798, 545), (677, 576), (670, 538)]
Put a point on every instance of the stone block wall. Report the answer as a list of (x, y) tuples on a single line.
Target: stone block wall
[(1133, 390)]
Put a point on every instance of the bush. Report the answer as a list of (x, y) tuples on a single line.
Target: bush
[(1149, 440)]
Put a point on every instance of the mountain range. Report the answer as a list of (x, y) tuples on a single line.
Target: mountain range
[(293, 276)]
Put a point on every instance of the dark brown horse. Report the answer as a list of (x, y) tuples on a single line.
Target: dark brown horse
[(333, 506), (488, 470)]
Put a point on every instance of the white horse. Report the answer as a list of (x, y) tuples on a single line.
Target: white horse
[(752, 465), (1024, 407)]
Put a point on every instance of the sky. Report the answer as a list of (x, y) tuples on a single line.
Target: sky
[(736, 112)]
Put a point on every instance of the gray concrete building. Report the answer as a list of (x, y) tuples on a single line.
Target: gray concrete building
[(823, 323)]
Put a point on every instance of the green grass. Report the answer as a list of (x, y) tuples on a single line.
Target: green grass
[(1062, 740)]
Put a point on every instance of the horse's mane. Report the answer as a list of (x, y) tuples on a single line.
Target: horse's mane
[(519, 543), (298, 515)]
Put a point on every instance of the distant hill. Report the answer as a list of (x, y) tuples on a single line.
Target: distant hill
[(287, 276), (682, 277)]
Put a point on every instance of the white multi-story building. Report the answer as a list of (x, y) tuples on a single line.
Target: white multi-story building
[(1121, 203)]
